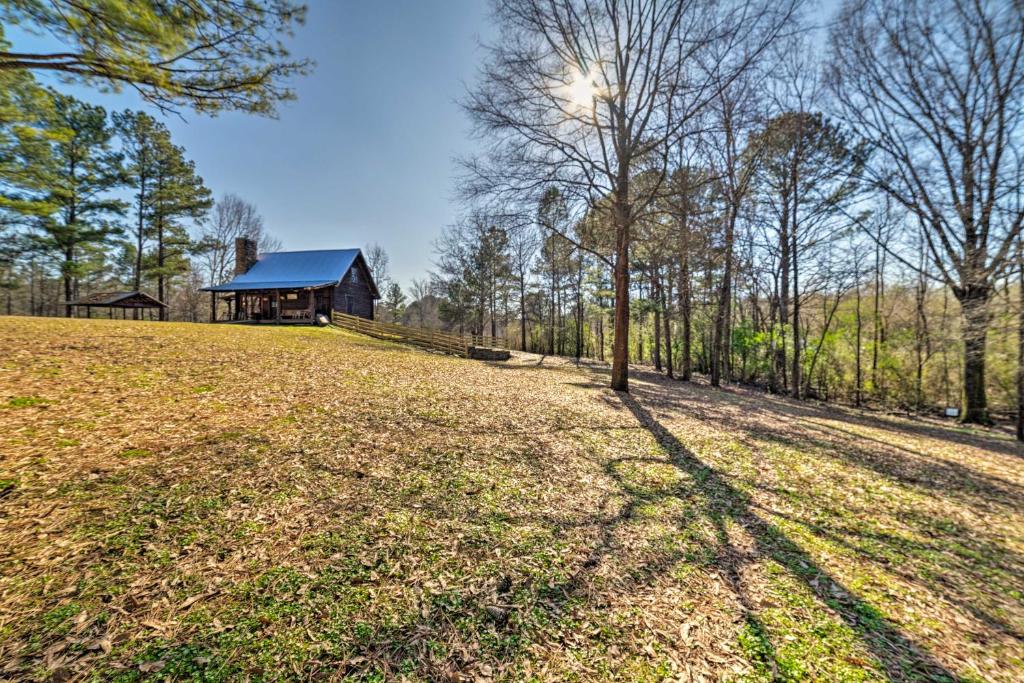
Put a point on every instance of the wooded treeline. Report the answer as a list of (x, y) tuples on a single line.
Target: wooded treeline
[(96, 203), (692, 185)]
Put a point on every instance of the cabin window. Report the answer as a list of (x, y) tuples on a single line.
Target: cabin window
[(291, 297)]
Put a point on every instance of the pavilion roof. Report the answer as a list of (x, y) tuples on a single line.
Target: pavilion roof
[(119, 300)]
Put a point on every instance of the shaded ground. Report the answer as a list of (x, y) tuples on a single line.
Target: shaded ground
[(230, 503)]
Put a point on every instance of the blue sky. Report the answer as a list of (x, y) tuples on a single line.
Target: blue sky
[(366, 152)]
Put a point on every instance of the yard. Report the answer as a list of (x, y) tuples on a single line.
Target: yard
[(188, 502)]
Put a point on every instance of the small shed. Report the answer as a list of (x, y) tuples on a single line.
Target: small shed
[(113, 301)]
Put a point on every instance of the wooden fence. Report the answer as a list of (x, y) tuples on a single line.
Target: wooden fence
[(445, 342)]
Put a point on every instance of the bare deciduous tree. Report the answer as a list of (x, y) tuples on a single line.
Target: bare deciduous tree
[(586, 94), (377, 261), (523, 245), (231, 217), (420, 290), (736, 115), (936, 89)]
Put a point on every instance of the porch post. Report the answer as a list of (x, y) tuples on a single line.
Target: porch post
[(277, 298), (312, 305), (213, 307)]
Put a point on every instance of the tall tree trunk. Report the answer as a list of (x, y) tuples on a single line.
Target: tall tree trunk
[(494, 312), (794, 233), (522, 309), (784, 263), (686, 311), (551, 331), (920, 337), (1020, 338), (641, 319), (974, 306), (620, 343), (720, 343), (579, 308), (656, 298), (69, 258), (666, 299), (798, 356), (559, 325), (161, 256), (140, 231), (877, 331), (32, 287), (69, 295), (858, 390)]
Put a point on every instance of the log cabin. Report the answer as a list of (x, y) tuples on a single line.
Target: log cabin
[(295, 286)]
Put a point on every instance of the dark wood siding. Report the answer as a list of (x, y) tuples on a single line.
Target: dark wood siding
[(353, 295)]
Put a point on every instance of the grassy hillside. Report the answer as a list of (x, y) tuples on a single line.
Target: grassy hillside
[(230, 503)]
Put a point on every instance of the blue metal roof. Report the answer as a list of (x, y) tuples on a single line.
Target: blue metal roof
[(236, 286), (293, 270)]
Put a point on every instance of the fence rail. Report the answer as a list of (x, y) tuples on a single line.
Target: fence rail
[(445, 342)]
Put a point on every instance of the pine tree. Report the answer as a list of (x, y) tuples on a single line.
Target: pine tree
[(72, 175), (25, 114), (178, 194), (139, 133), (210, 56), (24, 109), (394, 301)]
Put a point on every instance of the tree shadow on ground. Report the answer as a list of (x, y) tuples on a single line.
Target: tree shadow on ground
[(895, 651), (712, 498), (792, 424), (860, 542), (758, 401), (709, 497)]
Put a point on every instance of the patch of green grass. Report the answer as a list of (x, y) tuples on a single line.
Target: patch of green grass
[(163, 660), (58, 619), (135, 453), (26, 402), (757, 648)]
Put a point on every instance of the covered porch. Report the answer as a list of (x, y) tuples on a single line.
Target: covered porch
[(272, 306)]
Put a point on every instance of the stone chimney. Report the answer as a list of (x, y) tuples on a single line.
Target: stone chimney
[(245, 254)]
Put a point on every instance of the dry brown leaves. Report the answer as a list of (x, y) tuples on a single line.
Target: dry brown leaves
[(229, 502)]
